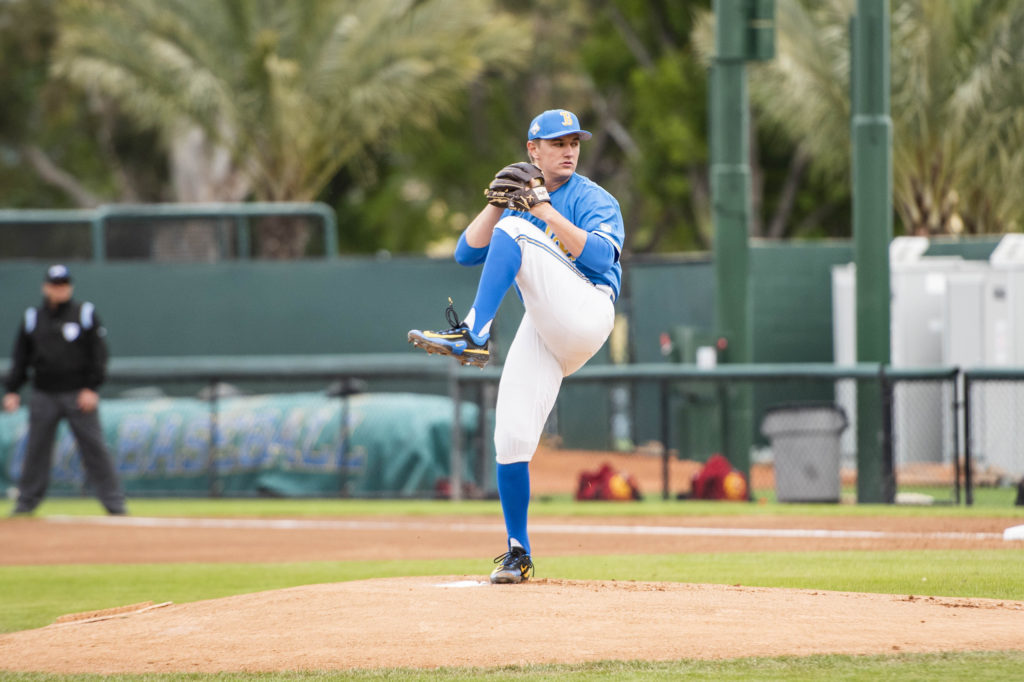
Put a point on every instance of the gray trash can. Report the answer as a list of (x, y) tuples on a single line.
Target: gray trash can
[(805, 444)]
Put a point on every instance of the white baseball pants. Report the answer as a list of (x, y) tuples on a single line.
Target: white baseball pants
[(566, 322)]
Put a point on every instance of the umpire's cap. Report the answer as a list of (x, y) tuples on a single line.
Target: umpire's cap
[(555, 123), (58, 274)]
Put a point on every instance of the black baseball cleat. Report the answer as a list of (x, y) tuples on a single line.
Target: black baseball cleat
[(515, 566), (457, 341)]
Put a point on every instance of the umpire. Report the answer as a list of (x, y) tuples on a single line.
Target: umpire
[(62, 343)]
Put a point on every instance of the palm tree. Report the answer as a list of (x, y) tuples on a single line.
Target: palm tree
[(955, 103), (268, 99)]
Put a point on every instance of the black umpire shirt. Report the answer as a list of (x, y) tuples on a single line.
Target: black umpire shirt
[(64, 346)]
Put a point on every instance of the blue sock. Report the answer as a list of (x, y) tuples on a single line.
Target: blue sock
[(503, 261), (514, 490)]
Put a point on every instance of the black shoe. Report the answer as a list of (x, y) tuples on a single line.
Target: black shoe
[(21, 512), (515, 567), (457, 341)]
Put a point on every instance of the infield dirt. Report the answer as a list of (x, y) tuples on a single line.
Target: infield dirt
[(459, 620)]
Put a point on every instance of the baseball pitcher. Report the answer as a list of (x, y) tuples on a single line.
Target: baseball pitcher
[(555, 236)]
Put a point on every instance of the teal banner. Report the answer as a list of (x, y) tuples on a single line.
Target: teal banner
[(392, 444)]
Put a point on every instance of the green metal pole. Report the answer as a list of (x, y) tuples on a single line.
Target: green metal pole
[(872, 229), (730, 194), (98, 233)]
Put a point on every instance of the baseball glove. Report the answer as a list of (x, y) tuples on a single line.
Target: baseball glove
[(518, 186), (528, 197)]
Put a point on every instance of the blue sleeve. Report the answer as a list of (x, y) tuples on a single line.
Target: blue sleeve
[(598, 213), (598, 253), (467, 255)]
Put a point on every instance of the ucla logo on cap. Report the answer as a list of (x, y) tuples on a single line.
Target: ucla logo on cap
[(556, 123)]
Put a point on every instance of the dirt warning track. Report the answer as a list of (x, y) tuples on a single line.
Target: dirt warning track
[(71, 540)]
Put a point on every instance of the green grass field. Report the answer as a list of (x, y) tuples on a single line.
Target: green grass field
[(977, 667), (32, 596)]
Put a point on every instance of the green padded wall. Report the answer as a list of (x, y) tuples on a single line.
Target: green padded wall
[(664, 293), (345, 306), (792, 300)]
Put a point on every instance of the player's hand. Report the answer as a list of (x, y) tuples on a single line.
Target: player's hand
[(12, 401), (510, 180), (528, 197), (88, 400)]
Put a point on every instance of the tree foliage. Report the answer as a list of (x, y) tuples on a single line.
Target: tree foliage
[(398, 112), (58, 147), (293, 91), (653, 82), (269, 100), (955, 76), (628, 69)]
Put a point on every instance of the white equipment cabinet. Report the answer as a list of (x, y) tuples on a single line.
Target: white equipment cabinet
[(997, 407), (920, 337)]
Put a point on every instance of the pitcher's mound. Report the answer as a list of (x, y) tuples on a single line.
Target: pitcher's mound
[(464, 621)]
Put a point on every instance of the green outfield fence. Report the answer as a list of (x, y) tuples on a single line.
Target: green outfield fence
[(944, 430)]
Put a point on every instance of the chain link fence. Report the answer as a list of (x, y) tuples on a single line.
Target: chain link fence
[(993, 406), (200, 233), (50, 236), (925, 444), (806, 442), (215, 238)]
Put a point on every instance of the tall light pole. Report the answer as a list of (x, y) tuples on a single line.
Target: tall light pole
[(871, 131), (744, 31)]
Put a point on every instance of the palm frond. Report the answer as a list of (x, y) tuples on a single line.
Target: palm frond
[(293, 90), (956, 94)]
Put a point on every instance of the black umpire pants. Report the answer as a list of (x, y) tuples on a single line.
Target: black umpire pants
[(44, 414)]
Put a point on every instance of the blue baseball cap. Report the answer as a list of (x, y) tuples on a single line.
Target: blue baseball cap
[(555, 123)]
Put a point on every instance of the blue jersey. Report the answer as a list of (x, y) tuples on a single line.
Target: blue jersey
[(589, 207)]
